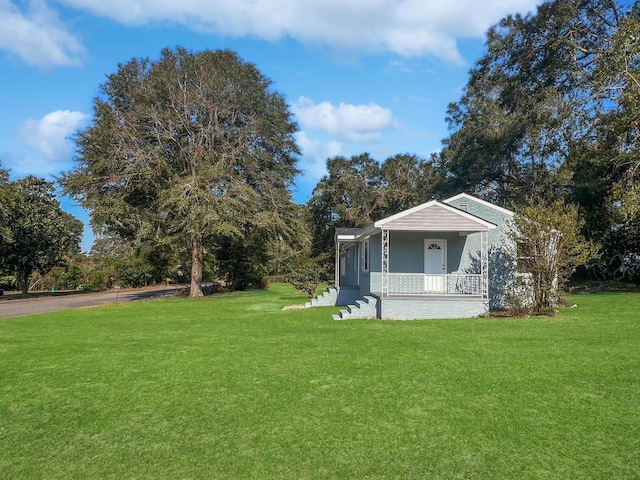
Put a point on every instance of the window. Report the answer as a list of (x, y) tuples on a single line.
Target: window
[(525, 257), (365, 256)]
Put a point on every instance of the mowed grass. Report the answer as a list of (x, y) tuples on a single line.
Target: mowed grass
[(231, 386)]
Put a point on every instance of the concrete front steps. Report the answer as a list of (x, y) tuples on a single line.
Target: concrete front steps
[(365, 308), (327, 299)]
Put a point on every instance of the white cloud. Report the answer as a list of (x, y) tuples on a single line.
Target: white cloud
[(410, 28), (356, 123), (314, 156), (333, 149), (37, 36), (50, 135), (309, 147)]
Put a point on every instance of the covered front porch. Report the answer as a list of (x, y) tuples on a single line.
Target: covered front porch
[(431, 263), (434, 253)]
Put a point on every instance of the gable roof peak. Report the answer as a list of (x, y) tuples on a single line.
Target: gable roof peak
[(399, 220), (466, 196)]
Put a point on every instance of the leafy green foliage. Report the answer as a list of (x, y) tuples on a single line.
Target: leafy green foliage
[(37, 233), (551, 110), (127, 264), (306, 276), (191, 150), (549, 248), (358, 190), (512, 127)]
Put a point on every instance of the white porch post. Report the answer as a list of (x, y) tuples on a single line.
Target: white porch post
[(385, 263), (484, 261), (336, 273)]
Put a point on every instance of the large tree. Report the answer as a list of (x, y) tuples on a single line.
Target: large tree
[(548, 83), (552, 110), (192, 150), (38, 234)]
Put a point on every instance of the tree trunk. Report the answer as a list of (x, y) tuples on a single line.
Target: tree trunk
[(197, 253), (25, 283)]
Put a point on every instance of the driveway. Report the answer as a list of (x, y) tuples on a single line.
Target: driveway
[(11, 306)]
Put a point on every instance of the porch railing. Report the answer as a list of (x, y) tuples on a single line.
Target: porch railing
[(423, 284)]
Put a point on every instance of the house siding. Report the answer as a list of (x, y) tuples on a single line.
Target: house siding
[(406, 251), (375, 263), (500, 266), (349, 277), (486, 213), (406, 255), (434, 218)]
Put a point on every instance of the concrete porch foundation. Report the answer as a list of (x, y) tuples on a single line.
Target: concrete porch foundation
[(413, 308)]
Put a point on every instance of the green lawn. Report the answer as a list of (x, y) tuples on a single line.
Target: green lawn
[(231, 386)]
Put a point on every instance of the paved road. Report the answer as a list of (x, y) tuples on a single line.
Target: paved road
[(12, 306)]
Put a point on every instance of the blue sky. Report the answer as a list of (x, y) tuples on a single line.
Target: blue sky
[(359, 75)]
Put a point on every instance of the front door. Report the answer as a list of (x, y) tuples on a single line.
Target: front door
[(435, 255)]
